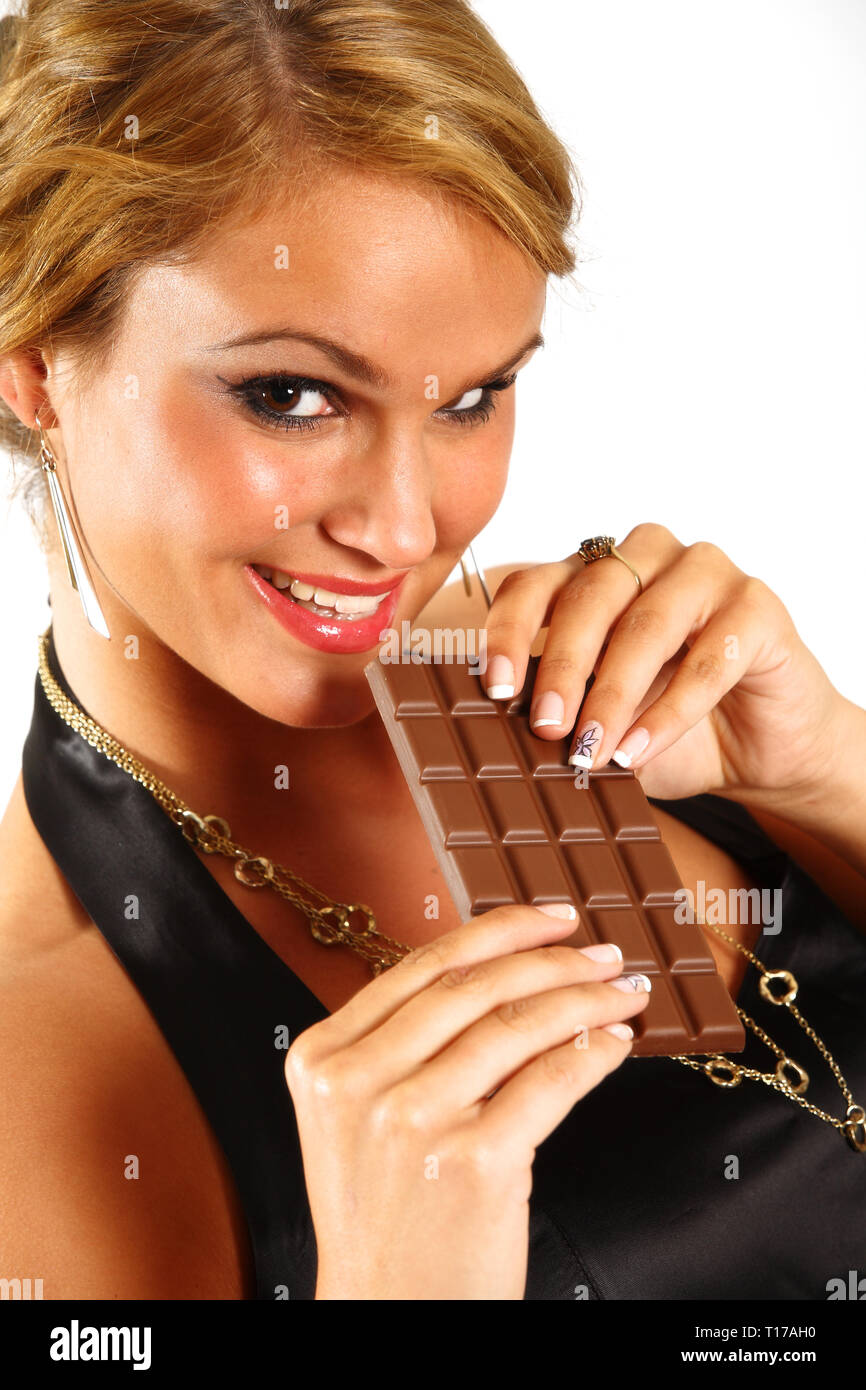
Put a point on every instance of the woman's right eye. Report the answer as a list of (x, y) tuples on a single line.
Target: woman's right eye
[(293, 402)]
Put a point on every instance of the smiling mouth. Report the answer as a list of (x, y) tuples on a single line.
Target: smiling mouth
[(325, 603)]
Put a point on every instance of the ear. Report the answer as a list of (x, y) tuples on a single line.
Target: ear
[(23, 376)]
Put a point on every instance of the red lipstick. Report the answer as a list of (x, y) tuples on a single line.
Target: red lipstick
[(335, 635)]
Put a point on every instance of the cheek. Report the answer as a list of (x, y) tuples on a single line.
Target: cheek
[(231, 487), (209, 479), (154, 512), (472, 481), (166, 490)]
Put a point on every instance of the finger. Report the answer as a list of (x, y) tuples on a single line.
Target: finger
[(587, 608), (494, 1049), (520, 609), (713, 667), (652, 630), (459, 998), (499, 932), (530, 1106)]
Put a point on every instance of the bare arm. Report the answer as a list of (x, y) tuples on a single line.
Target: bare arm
[(834, 814), (98, 1198)]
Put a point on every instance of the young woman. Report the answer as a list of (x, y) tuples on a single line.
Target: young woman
[(267, 277)]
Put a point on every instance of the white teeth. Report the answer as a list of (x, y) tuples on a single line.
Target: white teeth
[(346, 605), (355, 603), (301, 590)]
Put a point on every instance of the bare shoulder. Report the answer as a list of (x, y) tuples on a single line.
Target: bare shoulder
[(112, 1182)]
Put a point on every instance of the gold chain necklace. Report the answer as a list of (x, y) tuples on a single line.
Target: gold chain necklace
[(726, 1072), (354, 924)]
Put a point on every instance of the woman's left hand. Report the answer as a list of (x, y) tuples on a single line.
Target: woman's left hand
[(702, 678)]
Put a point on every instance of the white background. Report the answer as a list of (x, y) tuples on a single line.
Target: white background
[(710, 373)]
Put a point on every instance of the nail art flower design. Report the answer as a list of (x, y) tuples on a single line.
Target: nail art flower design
[(586, 742)]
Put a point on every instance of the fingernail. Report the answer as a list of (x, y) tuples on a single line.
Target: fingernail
[(559, 910), (585, 745), (500, 678), (620, 1030), (630, 984), (605, 951), (631, 747), (549, 709)]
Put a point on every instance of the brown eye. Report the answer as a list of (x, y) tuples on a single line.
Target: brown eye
[(289, 398), (287, 402), (279, 397)]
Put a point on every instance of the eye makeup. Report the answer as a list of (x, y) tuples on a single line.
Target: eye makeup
[(262, 394)]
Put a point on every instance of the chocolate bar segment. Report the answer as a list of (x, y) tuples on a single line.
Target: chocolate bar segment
[(511, 821)]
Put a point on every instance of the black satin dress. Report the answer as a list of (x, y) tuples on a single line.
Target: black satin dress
[(635, 1194)]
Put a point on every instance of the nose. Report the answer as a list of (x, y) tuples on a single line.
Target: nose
[(386, 504)]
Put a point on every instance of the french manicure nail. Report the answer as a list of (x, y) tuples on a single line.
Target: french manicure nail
[(604, 951), (631, 747), (559, 910), (585, 744), (620, 1030), (500, 678), (549, 709), (630, 984)]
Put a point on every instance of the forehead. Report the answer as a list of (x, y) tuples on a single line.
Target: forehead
[(368, 258)]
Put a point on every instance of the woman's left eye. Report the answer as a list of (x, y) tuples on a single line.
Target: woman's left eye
[(478, 404), (295, 402)]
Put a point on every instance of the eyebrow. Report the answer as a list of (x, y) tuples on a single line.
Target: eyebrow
[(355, 364)]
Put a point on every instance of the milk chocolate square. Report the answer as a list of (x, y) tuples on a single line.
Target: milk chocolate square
[(510, 821)]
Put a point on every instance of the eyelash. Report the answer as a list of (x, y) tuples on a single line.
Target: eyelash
[(250, 391)]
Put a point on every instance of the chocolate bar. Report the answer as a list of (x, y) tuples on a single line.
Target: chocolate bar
[(511, 821)]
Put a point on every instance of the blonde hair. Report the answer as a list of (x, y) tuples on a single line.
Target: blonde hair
[(126, 131)]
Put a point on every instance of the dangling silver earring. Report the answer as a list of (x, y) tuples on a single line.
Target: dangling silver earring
[(79, 576), (480, 573)]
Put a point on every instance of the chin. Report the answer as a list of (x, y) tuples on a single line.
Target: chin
[(326, 703)]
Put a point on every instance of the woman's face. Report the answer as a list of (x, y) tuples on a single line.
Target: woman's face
[(365, 319)]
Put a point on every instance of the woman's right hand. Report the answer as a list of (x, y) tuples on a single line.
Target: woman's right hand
[(418, 1176)]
